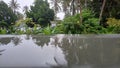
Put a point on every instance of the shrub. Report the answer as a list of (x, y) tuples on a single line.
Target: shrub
[(113, 22), (3, 31), (3, 24), (47, 30), (90, 24), (114, 25), (29, 22)]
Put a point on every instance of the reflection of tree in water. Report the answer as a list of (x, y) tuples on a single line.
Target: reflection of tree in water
[(16, 40), (27, 37), (5, 41), (71, 50), (2, 51), (89, 50), (70, 47), (41, 40), (56, 41)]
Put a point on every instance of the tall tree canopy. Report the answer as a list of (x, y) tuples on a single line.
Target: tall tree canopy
[(56, 6), (6, 14), (41, 13), (14, 5)]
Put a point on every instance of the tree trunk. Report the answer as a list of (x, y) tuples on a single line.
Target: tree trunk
[(73, 7), (80, 8), (85, 3), (102, 9)]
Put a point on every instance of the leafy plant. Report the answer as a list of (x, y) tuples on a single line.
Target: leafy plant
[(3, 31), (29, 22), (113, 22), (47, 30), (3, 24), (114, 25)]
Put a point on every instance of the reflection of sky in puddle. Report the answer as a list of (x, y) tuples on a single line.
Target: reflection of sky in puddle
[(73, 51), (28, 53)]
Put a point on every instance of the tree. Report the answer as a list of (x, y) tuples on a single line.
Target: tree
[(66, 7), (41, 13), (111, 9), (19, 15), (56, 7), (6, 14), (14, 5), (80, 9), (73, 7), (25, 9), (69, 7), (103, 5)]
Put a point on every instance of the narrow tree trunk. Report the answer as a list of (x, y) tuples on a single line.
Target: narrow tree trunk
[(85, 3), (14, 11), (80, 8), (73, 7), (102, 9)]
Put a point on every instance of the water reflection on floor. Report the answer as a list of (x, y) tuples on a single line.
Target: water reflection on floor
[(60, 51)]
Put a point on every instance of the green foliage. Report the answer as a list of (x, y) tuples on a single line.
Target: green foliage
[(72, 25), (90, 25), (36, 29), (29, 22), (53, 30), (19, 22), (92, 29), (72, 19), (7, 14), (28, 31), (3, 24), (47, 30), (86, 13), (41, 13), (111, 9), (89, 17), (19, 32), (117, 29), (114, 25), (59, 29), (113, 22), (3, 31)]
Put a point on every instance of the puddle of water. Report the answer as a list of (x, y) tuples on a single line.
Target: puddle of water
[(63, 51)]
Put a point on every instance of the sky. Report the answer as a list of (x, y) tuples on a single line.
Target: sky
[(28, 3)]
